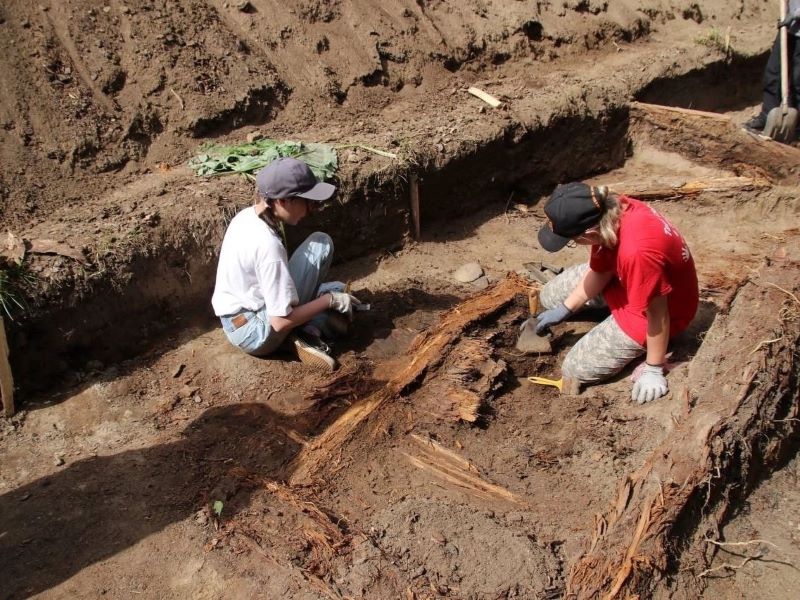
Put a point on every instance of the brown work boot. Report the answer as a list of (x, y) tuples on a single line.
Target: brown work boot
[(313, 353)]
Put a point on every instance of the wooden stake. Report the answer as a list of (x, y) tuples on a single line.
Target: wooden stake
[(414, 183), (6, 379), (488, 98)]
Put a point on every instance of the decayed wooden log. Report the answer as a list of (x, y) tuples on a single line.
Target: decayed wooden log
[(692, 188), (427, 353), (715, 140), (742, 401)]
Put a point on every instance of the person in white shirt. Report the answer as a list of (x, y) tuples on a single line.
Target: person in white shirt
[(261, 295)]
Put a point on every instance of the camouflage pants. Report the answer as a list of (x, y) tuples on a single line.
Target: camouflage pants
[(602, 352)]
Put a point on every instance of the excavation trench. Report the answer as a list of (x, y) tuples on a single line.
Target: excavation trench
[(428, 465), (154, 278)]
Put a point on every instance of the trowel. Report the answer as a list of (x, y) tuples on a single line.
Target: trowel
[(530, 342), (782, 120)]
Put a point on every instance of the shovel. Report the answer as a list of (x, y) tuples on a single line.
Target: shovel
[(530, 342), (782, 120)]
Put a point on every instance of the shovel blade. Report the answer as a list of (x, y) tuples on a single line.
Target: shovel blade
[(529, 342), (781, 124)]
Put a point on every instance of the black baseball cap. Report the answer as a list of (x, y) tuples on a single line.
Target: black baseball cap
[(571, 210), (290, 178)]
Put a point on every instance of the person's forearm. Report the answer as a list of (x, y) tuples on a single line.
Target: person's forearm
[(657, 330), (590, 286), (301, 314)]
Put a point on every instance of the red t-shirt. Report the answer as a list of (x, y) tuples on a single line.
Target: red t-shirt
[(651, 259)]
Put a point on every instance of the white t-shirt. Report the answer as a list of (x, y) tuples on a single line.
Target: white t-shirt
[(253, 269)]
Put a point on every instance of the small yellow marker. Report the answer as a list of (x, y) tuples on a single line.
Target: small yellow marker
[(558, 383)]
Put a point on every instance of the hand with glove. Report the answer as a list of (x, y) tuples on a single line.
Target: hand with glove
[(551, 317), (650, 384), (343, 302)]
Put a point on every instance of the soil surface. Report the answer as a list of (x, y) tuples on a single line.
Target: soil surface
[(151, 459)]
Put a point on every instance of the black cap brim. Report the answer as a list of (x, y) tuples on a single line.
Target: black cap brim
[(552, 242), (320, 192)]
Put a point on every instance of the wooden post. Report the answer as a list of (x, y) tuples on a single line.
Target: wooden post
[(414, 184), (6, 380)]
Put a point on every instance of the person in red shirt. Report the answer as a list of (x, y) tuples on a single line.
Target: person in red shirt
[(640, 267)]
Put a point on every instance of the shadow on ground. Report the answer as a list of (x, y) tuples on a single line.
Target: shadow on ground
[(95, 508)]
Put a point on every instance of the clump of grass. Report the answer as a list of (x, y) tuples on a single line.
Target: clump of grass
[(13, 279), (717, 40)]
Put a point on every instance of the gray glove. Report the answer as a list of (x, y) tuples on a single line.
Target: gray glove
[(343, 302), (650, 384), (552, 317)]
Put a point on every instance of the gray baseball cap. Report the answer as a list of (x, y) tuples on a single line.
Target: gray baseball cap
[(290, 178)]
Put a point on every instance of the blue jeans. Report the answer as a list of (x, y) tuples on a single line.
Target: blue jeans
[(308, 266)]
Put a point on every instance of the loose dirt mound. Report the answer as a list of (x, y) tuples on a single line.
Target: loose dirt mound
[(96, 94)]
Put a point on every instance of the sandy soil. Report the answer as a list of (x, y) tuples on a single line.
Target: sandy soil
[(100, 480), (109, 478)]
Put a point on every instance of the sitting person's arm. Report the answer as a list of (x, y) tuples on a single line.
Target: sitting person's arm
[(592, 284), (301, 314), (651, 382)]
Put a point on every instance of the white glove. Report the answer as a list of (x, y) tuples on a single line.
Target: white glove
[(650, 384), (343, 303)]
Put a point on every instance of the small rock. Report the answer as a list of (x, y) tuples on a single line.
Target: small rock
[(419, 572), (59, 460), (106, 9), (481, 282), (254, 137), (468, 272), (245, 6), (498, 258)]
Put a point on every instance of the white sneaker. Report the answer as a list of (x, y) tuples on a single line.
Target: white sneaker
[(311, 355)]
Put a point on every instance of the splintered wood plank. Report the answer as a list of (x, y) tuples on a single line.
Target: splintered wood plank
[(427, 353), (692, 188), (740, 419), (6, 378), (714, 140), (455, 470)]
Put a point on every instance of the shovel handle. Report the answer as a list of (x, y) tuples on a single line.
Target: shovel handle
[(533, 300), (784, 35)]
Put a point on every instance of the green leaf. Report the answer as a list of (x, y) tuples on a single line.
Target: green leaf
[(217, 507)]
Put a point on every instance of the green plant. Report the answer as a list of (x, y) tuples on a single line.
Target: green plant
[(715, 39), (13, 279)]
